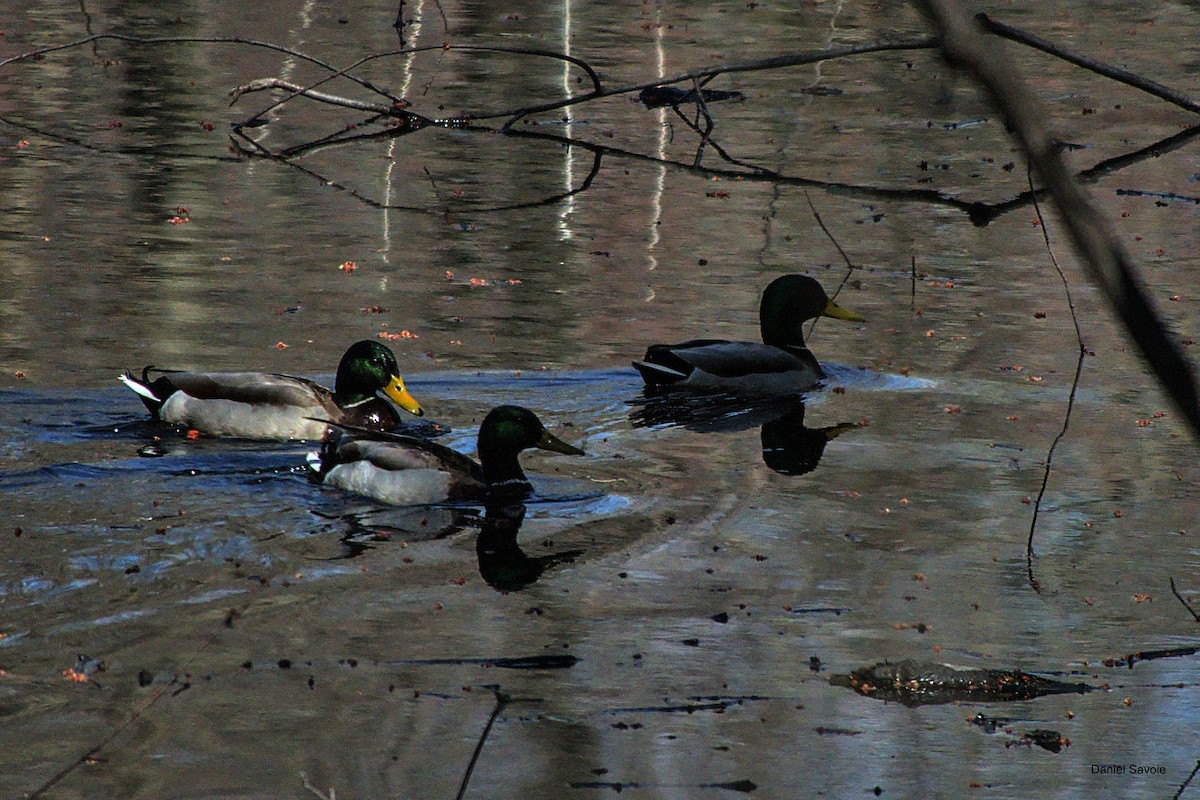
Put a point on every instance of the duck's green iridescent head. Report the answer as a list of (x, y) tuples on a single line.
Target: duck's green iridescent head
[(369, 367), (790, 301), (504, 433), (511, 429)]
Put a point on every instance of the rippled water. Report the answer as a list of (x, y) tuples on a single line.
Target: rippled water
[(676, 600)]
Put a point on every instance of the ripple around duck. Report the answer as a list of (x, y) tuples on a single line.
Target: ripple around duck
[(873, 380)]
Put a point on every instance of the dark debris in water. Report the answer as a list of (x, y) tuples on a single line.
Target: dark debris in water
[(916, 683), (680, 708), (1043, 738), (662, 96), (85, 670), (742, 786), (1150, 655), (521, 662)]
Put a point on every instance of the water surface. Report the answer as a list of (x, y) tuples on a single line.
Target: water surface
[(254, 626)]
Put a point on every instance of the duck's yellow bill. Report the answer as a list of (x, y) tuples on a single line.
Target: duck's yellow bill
[(395, 390), (549, 441), (832, 309)]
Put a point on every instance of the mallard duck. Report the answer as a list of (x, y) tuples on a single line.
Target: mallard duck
[(259, 405), (780, 365), (402, 470)]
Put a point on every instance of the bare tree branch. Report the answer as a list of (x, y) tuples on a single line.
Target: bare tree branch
[(264, 84), (1099, 250), (1100, 68), (707, 73)]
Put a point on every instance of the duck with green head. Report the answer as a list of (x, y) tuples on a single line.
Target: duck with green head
[(402, 470), (782, 364), (259, 405)]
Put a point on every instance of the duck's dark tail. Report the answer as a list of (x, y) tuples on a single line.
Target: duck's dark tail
[(655, 374), (145, 389)]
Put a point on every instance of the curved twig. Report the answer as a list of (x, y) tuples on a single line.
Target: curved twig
[(1034, 583)]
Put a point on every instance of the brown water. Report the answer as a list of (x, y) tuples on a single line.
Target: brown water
[(255, 627)]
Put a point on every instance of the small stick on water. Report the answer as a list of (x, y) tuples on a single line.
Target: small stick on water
[(913, 284), (501, 701), (1184, 785), (399, 23), (332, 793), (1186, 605)]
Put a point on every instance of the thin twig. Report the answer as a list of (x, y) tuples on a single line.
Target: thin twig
[(1178, 596), (912, 288), (173, 686), (501, 701), (1078, 59), (1184, 785), (470, 48), (817, 216), (264, 84), (331, 796), (983, 214), (442, 12), (850, 265), (1034, 583), (709, 125)]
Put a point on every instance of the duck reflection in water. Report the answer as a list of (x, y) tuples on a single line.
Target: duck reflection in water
[(788, 446), (502, 563)]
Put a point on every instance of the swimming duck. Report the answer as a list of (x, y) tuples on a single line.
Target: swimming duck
[(259, 405), (402, 470), (782, 364)]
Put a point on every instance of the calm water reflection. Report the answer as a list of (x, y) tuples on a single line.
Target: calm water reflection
[(253, 626)]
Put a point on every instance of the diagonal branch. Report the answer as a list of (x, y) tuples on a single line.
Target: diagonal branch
[(1106, 262), (1078, 59)]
